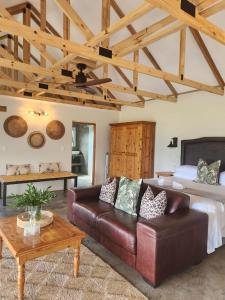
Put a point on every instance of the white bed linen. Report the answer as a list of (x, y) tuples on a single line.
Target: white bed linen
[(214, 209)]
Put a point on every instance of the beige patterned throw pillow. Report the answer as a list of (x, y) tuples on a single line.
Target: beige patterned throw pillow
[(108, 191), (49, 167), (18, 169), (151, 206)]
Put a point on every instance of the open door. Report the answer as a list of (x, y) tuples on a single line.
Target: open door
[(83, 152)]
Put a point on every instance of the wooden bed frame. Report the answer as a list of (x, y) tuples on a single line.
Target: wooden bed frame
[(208, 148)]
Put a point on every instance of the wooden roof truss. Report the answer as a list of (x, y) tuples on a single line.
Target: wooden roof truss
[(21, 71)]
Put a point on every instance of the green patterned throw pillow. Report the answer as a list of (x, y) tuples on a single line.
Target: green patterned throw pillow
[(128, 195), (208, 174)]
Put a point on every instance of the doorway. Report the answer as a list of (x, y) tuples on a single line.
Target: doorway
[(83, 152)]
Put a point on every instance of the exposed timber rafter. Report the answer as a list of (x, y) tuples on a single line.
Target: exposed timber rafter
[(61, 101), (208, 57), (13, 27), (79, 95), (146, 51), (198, 22)]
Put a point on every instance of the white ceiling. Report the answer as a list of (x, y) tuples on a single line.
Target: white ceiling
[(166, 51)]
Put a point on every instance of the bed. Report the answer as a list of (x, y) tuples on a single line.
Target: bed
[(206, 198)]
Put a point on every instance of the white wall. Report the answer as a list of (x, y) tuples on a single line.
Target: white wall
[(193, 116), (17, 150)]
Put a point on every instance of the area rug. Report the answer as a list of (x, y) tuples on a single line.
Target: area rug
[(51, 277)]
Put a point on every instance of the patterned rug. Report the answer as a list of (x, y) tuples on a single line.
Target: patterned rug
[(51, 277)]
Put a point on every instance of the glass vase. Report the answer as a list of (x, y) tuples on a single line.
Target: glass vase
[(34, 212)]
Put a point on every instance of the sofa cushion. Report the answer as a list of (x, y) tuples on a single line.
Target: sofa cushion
[(120, 228), (128, 193), (89, 210), (151, 206), (108, 191)]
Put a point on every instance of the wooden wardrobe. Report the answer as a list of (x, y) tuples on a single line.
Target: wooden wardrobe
[(132, 149)]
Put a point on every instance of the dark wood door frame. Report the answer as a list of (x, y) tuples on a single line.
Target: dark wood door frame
[(94, 146)]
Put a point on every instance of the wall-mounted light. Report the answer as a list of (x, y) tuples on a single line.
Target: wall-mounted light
[(173, 143), (38, 113)]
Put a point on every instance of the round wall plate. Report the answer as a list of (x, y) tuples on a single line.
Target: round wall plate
[(15, 126), (55, 130), (36, 139)]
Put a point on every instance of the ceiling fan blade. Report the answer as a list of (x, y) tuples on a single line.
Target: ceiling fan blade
[(93, 82), (90, 90)]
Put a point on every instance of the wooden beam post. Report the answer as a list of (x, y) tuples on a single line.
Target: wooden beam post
[(182, 52), (105, 24), (135, 73), (43, 27), (26, 44), (66, 31)]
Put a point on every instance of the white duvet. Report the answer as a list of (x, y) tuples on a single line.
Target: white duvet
[(214, 209)]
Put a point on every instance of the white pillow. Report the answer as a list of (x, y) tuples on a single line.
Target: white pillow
[(222, 178), (186, 172)]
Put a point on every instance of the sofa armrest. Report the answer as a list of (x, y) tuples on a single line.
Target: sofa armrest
[(170, 243), (91, 193), (84, 194)]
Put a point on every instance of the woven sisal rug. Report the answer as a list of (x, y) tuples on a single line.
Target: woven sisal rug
[(51, 277)]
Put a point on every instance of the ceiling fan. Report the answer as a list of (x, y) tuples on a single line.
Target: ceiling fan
[(81, 81)]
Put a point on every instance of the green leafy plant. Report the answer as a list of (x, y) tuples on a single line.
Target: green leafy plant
[(33, 197)]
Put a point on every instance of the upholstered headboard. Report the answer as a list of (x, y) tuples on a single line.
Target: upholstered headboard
[(207, 148)]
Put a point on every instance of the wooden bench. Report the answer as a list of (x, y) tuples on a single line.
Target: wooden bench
[(6, 180)]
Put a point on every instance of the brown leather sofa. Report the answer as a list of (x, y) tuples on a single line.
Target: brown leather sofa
[(156, 248)]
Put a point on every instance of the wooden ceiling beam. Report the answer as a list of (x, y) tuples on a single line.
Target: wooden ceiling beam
[(74, 18), (123, 22), (127, 80), (138, 37), (5, 14), (151, 39), (205, 4), (146, 51), (198, 22), (61, 92), (61, 101), (36, 15), (10, 63), (207, 57), (26, 44), (138, 92), (213, 9), (43, 26), (135, 73), (105, 24), (182, 52), (17, 9), (37, 35), (7, 55)]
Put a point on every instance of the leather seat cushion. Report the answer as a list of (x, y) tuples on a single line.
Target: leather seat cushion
[(89, 210), (120, 228)]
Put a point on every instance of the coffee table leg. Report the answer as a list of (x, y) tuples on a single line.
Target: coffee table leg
[(76, 259), (21, 281), (4, 194), (1, 244)]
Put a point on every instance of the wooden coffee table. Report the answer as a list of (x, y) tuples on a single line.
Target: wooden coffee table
[(57, 236)]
